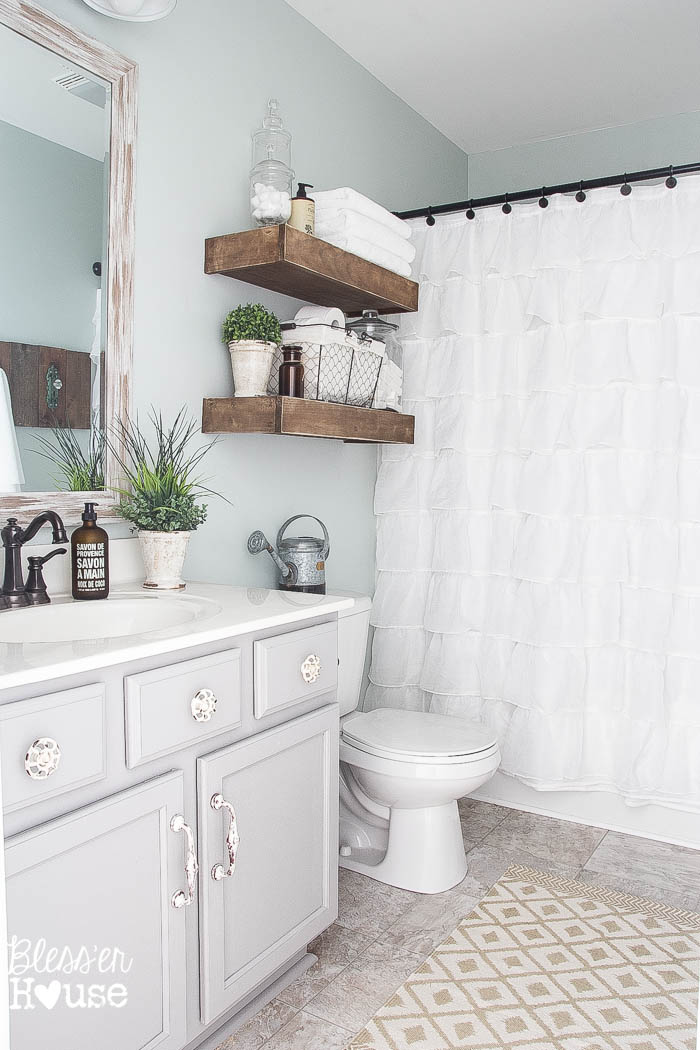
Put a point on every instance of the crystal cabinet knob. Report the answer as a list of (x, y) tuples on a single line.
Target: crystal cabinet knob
[(203, 705), (42, 758), (311, 668)]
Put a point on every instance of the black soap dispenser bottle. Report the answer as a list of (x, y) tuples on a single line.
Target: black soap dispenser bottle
[(90, 558)]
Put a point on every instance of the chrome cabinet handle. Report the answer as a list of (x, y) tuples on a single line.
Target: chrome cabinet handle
[(182, 899), (42, 759), (203, 705), (311, 668), (232, 838)]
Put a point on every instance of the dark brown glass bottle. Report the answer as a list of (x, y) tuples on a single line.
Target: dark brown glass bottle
[(89, 547), (291, 372)]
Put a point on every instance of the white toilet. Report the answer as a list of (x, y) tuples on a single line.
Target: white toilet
[(401, 773)]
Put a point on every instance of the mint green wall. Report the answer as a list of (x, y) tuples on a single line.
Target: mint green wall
[(632, 147), (206, 73)]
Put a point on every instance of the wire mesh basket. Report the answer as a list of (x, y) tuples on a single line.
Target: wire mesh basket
[(335, 372)]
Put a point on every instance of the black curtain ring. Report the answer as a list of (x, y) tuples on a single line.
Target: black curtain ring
[(625, 188), (430, 218), (543, 202), (507, 206), (671, 181), (580, 196), (470, 213)]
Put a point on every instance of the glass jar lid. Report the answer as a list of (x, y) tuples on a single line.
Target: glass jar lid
[(272, 142), (372, 325)]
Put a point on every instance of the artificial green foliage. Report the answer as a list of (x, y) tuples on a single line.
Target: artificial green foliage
[(161, 484), (179, 514), (78, 470), (251, 322)]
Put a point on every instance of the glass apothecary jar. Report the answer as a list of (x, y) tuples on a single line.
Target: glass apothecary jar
[(271, 177)]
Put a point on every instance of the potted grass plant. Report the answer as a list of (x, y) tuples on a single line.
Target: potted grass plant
[(79, 467), (252, 334), (161, 492)]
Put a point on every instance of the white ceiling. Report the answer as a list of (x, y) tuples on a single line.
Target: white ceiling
[(505, 72)]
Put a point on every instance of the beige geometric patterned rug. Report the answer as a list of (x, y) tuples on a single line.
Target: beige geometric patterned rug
[(546, 963)]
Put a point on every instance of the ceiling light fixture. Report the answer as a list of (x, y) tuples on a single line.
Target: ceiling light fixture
[(133, 10)]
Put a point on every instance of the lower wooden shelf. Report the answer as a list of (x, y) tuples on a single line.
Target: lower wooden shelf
[(305, 418)]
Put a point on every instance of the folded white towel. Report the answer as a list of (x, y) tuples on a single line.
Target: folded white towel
[(372, 253), (333, 223), (351, 200), (11, 473)]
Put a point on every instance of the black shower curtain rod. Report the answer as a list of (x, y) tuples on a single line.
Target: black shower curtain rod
[(579, 188)]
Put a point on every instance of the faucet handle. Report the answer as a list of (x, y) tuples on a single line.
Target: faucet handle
[(35, 588)]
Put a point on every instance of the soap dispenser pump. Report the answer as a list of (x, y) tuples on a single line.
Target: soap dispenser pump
[(303, 215), (90, 558)]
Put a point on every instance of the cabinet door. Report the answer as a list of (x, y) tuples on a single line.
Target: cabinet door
[(283, 787), (97, 951)]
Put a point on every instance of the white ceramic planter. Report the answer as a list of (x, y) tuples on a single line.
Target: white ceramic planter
[(163, 558), (251, 361)]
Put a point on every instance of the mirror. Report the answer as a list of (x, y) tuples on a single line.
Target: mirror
[(67, 129)]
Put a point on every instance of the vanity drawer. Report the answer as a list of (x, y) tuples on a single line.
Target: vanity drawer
[(51, 744), (172, 707), (294, 667)]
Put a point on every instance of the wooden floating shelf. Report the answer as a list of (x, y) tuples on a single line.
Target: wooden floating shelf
[(305, 418), (286, 260)]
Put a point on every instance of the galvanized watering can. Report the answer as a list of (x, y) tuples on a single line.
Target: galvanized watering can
[(301, 560)]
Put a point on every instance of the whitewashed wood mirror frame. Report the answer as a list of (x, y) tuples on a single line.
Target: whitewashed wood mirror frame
[(42, 27)]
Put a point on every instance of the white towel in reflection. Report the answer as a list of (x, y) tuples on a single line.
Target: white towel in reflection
[(11, 473), (96, 358)]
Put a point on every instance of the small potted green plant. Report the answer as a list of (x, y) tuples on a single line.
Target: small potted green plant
[(252, 334), (161, 492)]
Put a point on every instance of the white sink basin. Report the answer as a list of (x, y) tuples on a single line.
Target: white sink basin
[(116, 617)]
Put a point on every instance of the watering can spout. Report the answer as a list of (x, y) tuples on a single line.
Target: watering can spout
[(258, 541)]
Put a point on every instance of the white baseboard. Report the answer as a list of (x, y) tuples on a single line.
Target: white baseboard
[(600, 809)]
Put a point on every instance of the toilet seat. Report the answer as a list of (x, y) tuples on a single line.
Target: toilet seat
[(419, 737)]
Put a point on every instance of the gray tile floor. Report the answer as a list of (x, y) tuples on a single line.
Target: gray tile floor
[(382, 934)]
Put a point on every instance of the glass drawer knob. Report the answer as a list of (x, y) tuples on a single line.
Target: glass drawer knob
[(311, 668), (203, 705), (42, 758)]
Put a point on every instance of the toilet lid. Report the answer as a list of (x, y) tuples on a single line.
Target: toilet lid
[(417, 735)]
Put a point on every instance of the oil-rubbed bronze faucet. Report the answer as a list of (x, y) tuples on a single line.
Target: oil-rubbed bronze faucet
[(14, 594)]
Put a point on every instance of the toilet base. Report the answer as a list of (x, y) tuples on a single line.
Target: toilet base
[(424, 852)]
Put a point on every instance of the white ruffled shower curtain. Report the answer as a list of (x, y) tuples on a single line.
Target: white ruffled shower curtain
[(538, 547)]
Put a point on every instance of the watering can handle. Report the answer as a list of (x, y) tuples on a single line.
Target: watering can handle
[(326, 538)]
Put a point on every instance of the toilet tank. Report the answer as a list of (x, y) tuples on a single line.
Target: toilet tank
[(353, 628)]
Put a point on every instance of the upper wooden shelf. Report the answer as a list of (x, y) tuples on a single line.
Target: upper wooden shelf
[(286, 260)]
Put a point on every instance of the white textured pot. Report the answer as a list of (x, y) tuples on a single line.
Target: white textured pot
[(163, 558), (251, 361)]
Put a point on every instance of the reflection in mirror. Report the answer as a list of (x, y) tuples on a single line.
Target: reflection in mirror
[(54, 192)]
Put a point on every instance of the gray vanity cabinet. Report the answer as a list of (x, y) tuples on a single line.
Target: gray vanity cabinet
[(101, 879), (97, 770), (281, 789)]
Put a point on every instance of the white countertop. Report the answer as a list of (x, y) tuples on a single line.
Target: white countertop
[(221, 612)]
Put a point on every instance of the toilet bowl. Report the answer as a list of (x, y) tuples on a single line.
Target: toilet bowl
[(401, 773)]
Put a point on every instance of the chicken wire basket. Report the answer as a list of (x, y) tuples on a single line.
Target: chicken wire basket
[(338, 372)]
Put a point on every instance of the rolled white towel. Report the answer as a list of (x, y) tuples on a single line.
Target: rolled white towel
[(372, 253), (332, 223), (351, 200)]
